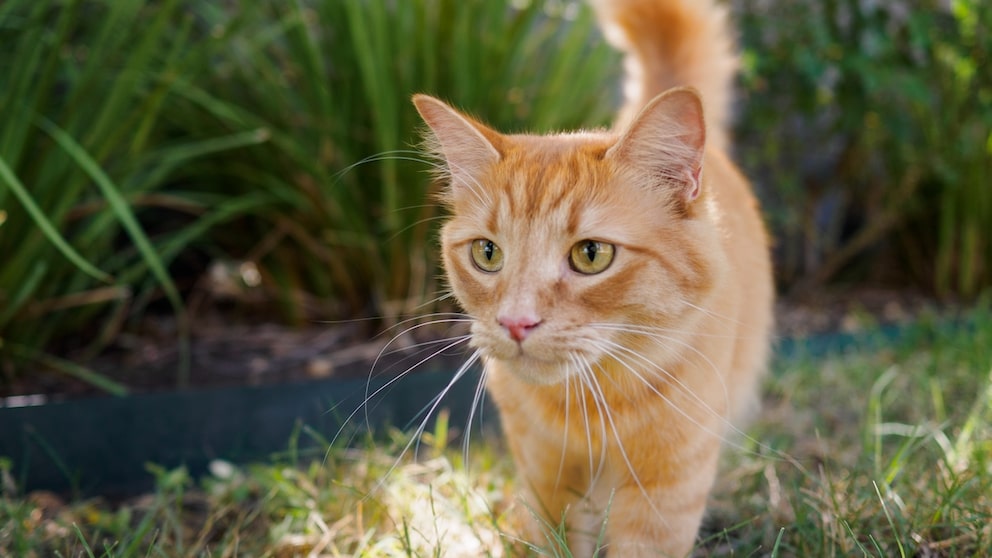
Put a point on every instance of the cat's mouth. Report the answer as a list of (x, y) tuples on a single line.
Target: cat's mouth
[(549, 354), (514, 353), (534, 361)]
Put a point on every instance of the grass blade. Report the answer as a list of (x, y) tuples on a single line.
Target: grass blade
[(70, 368), (47, 227)]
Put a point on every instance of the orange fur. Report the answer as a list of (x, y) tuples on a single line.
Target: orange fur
[(615, 388)]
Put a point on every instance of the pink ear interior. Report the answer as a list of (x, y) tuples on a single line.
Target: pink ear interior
[(667, 139), (695, 180), (466, 146)]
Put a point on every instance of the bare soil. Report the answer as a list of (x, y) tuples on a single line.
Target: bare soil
[(223, 353)]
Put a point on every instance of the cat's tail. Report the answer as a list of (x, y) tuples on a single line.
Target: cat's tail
[(671, 43)]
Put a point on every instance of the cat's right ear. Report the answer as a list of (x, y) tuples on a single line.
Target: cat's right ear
[(665, 142), (468, 147)]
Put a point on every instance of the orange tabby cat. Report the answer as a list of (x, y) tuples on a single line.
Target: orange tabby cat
[(620, 287)]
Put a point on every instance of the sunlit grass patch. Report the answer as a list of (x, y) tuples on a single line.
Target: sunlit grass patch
[(357, 502), (369, 502)]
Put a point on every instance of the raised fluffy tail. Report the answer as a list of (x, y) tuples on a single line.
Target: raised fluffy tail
[(671, 43)]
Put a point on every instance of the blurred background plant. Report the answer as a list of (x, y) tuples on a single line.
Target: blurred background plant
[(868, 126), (145, 146), (91, 208)]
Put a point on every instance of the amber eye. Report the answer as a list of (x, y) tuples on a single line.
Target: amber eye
[(591, 257), (486, 255)]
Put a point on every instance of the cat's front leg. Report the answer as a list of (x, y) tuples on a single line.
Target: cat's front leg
[(658, 521), (546, 503), (548, 509)]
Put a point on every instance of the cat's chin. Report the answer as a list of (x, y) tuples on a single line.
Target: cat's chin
[(535, 370)]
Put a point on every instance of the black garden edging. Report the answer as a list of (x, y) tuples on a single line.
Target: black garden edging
[(102, 445)]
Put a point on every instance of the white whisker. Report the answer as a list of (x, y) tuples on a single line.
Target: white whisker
[(710, 313), (427, 412), (441, 296), (478, 190), (422, 344), (660, 337), (564, 443), (597, 392), (637, 328), (369, 396), (386, 351), (607, 348), (407, 155), (477, 402), (587, 377)]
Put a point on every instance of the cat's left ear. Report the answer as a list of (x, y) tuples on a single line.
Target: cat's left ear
[(468, 147), (665, 142)]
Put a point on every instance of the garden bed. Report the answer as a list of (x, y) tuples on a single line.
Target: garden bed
[(877, 446)]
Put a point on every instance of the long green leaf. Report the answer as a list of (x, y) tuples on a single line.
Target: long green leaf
[(127, 219), (70, 368), (47, 227), (29, 283)]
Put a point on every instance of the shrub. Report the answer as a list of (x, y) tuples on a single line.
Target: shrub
[(868, 126)]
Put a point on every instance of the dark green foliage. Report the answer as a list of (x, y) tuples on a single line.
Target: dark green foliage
[(84, 158), (869, 128)]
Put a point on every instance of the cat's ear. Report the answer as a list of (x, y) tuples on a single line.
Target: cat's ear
[(467, 146), (665, 142)]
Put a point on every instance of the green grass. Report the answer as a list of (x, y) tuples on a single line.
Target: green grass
[(884, 452), (869, 451)]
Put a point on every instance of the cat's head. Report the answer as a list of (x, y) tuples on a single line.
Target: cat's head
[(566, 248)]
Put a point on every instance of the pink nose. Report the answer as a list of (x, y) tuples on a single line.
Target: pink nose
[(519, 327)]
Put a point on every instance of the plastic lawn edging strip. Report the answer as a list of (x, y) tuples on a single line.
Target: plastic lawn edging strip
[(103, 445)]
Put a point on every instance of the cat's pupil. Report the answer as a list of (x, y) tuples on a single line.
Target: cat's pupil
[(488, 250), (591, 251)]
